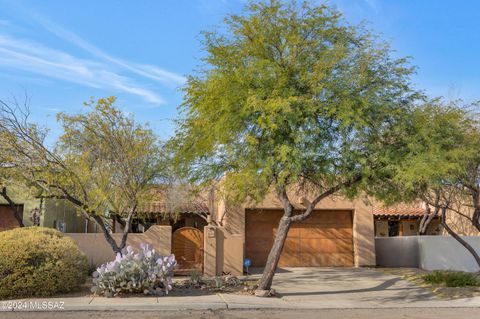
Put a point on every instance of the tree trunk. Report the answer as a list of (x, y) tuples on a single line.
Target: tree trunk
[(458, 238), (426, 220), (476, 218), (116, 249), (126, 229), (13, 207), (274, 255)]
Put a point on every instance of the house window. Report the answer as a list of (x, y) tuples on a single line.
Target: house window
[(393, 228)]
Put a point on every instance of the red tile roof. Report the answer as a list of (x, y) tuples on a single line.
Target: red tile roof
[(157, 207), (403, 210)]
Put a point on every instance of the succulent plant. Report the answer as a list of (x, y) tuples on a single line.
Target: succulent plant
[(145, 272)]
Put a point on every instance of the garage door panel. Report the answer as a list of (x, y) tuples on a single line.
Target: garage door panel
[(327, 260), (330, 218), (321, 232), (290, 253), (262, 231), (325, 245), (325, 239)]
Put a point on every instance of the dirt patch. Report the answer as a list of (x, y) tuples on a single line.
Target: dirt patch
[(207, 286), (415, 276)]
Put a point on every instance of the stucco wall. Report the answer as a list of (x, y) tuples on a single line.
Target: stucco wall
[(221, 252), (444, 252), (397, 251), (98, 251), (460, 224), (427, 252), (56, 211)]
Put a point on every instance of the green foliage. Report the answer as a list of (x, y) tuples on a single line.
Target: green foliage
[(452, 278), (103, 161), (291, 94), (109, 155), (442, 141), (39, 262), (195, 276)]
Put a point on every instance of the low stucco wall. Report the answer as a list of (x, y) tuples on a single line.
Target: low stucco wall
[(427, 252), (222, 252), (397, 251), (99, 251), (444, 252)]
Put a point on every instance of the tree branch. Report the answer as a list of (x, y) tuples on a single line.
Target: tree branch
[(13, 206)]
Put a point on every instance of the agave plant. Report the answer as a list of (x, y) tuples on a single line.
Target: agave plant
[(145, 271)]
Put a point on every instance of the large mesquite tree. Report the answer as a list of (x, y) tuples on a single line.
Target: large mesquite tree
[(292, 97)]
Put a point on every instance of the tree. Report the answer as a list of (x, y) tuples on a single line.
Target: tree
[(8, 172), (292, 98), (442, 164), (103, 163)]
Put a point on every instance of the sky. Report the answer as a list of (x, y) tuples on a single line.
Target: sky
[(62, 53)]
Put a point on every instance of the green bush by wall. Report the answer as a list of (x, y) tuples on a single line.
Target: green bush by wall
[(39, 262)]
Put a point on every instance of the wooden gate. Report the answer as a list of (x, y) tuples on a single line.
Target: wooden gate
[(187, 246)]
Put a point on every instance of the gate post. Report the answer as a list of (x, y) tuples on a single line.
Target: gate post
[(210, 251)]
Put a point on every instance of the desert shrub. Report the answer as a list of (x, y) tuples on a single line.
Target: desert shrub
[(144, 272), (39, 262), (452, 278), (434, 278)]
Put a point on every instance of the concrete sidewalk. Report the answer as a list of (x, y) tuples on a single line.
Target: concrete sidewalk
[(298, 288), (224, 301)]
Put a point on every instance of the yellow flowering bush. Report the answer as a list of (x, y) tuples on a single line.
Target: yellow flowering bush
[(39, 262)]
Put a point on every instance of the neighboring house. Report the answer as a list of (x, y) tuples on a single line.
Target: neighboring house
[(7, 217), (58, 214), (402, 220)]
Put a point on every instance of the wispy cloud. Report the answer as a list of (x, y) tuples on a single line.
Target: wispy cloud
[(149, 71), (33, 57), (99, 70)]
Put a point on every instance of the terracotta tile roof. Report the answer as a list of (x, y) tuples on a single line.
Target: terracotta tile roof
[(183, 203), (402, 210), (158, 207)]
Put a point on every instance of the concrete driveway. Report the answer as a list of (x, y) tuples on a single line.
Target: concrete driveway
[(348, 288)]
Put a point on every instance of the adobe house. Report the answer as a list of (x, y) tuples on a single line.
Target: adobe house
[(403, 220), (339, 232)]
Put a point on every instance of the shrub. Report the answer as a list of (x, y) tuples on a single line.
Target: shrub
[(434, 278), (145, 272), (39, 262), (452, 278)]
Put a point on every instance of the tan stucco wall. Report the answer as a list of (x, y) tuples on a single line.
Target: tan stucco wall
[(460, 224), (363, 227), (98, 251), (381, 228), (223, 252)]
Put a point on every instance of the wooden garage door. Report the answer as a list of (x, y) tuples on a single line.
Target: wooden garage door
[(324, 239)]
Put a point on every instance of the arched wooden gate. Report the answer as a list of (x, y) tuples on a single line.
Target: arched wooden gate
[(187, 246)]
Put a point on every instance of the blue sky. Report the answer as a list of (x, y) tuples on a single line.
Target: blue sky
[(61, 53)]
